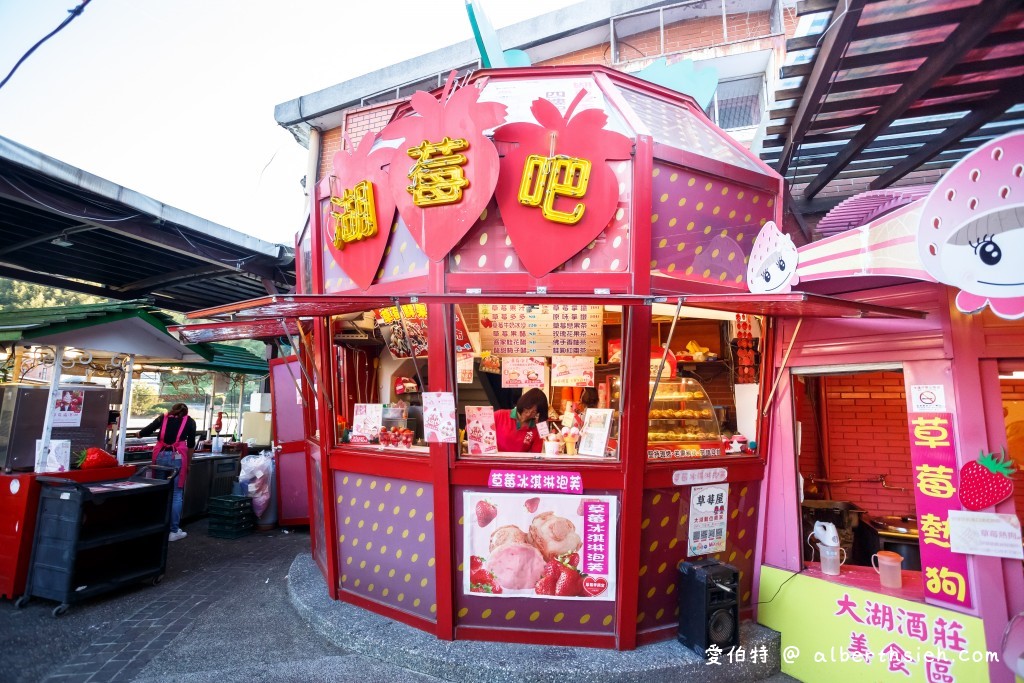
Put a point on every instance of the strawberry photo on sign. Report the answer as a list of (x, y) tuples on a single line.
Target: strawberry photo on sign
[(986, 481)]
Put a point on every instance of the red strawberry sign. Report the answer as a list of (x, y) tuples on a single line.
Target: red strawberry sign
[(444, 171), (986, 481), (357, 221), (556, 191)]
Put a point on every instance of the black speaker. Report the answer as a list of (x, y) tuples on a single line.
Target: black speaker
[(709, 612)]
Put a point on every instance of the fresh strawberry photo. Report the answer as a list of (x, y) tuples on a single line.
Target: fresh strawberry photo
[(485, 512)]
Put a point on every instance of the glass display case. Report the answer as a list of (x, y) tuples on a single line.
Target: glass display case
[(682, 421)]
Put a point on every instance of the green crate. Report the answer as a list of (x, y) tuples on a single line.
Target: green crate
[(228, 524), (230, 533), (228, 504)]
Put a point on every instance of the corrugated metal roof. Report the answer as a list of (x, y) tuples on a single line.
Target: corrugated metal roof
[(30, 323), (222, 358)]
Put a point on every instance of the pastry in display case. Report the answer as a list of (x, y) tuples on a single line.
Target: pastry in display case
[(683, 423)]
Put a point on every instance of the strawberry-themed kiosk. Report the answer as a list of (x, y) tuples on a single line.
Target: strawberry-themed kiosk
[(559, 229), (904, 435)]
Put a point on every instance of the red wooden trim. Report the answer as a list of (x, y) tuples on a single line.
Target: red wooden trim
[(410, 468), (739, 469), (440, 322), (387, 611), (640, 215), (633, 446), (321, 339), (657, 635), (760, 181), (501, 635), (518, 283)]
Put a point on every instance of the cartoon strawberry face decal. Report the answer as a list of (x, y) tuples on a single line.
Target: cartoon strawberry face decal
[(556, 192), (772, 264), (357, 222), (444, 170), (971, 233)]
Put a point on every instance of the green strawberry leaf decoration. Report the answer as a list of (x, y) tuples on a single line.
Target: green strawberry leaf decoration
[(986, 481)]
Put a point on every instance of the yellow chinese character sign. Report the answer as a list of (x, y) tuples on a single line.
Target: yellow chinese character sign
[(545, 179), (936, 480), (354, 214), (437, 176)]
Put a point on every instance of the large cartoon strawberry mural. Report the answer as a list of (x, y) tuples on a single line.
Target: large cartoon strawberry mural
[(358, 220), (971, 233), (444, 170), (556, 192)]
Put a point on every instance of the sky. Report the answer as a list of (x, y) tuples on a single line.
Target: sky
[(175, 98)]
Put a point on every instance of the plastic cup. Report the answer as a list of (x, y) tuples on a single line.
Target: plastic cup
[(830, 559), (888, 565)]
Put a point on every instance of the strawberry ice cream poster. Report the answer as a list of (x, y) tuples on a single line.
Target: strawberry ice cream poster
[(439, 416), (551, 546)]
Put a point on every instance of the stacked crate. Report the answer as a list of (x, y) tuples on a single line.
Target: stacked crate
[(231, 516)]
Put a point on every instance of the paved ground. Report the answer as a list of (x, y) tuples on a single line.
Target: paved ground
[(226, 611)]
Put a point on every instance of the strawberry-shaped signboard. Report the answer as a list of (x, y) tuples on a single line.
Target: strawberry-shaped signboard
[(358, 222), (986, 481), (556, 192), (444, 171)]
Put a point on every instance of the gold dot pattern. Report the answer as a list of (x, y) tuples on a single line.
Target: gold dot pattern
[(375, 509), (402, 259), (719, 254), (664, 546)]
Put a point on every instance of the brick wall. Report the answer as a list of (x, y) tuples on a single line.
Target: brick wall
[(809, 459), (867, 436), (357, 123), (683, 36), (1013, 390)]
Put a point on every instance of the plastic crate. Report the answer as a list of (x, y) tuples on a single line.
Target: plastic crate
[(229, 504), (240, 522), (230, 533)]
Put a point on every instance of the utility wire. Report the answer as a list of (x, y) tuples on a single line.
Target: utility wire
[(72, 13)]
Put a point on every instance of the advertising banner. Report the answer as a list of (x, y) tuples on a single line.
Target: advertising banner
[(539, 545)]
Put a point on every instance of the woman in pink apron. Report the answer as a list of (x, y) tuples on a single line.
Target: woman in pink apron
[(174, 449)]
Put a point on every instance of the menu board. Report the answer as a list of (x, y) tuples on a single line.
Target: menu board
[(572, 371), (519, 372), (541, 330)]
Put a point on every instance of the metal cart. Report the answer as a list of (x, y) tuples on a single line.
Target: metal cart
[(94, 538)]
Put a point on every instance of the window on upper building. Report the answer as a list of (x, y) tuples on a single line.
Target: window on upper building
[(738, 103)]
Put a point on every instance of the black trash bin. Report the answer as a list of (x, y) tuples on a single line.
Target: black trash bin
[(94, 538)]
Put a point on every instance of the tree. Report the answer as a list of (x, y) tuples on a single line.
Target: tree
[(144, 399), (18, 295)]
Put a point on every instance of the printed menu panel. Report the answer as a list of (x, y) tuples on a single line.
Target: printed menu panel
[(572, 371), (708, 517), (522, 372), (366, 422), (481, 437), (541, 330), (439, 422)]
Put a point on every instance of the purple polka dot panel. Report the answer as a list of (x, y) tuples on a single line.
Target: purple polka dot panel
[(703, 227), (402, 260), (664, 536), (537, 613), (487, 248), (386, 541)]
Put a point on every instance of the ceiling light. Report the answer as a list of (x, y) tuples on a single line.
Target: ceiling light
[(62, 241)]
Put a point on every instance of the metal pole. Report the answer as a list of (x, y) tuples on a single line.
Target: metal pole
[(51, 401), (241, 403), (126, 406), (664, 355)]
